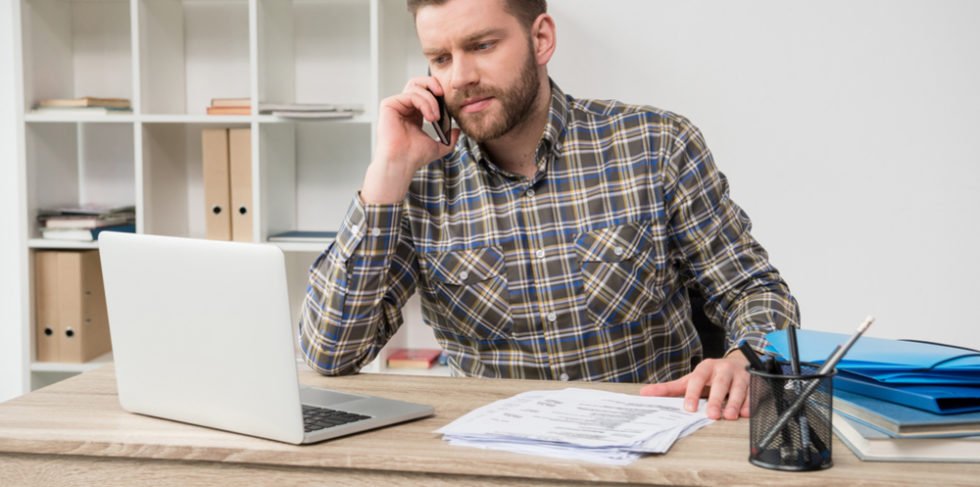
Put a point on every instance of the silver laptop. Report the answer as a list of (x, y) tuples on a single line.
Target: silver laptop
[(201, 334)]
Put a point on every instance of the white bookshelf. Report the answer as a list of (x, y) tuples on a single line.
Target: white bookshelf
[(170, 58)]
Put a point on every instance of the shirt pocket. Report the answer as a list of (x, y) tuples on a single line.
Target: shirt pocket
[(470, 289), (622, 273)]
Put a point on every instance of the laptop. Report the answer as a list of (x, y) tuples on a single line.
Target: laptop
[(201, 334)]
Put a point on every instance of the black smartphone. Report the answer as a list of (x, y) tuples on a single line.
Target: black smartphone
[(444, 125)]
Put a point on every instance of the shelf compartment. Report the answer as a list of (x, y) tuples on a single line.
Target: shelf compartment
[(315, 51), (310, 172), (400, 53), (192, 51), (73, 49), (73, 164), (173, 190), (72, 368)]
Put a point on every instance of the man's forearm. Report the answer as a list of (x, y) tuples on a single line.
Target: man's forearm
[(346, 319)]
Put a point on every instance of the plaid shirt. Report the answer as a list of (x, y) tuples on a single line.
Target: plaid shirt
[(576, 274)]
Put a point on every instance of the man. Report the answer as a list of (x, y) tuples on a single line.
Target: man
[(553, 239)]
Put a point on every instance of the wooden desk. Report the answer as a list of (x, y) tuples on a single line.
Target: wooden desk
[(74, 433)]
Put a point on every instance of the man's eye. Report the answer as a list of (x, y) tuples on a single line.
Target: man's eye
[(440, 60), (484, 46)]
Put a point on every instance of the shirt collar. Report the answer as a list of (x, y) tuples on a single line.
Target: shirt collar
[(551, 139)]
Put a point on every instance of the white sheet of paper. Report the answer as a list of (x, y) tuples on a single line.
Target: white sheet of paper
[(577, 423)]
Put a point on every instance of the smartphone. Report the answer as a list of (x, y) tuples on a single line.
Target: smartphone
[(444, 125)]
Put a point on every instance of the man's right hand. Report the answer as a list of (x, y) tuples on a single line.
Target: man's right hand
[(402, 147)]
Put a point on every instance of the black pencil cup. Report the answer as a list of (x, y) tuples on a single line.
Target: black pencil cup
[(790, 425)]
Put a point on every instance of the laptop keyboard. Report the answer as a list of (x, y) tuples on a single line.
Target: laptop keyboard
[(315, 418)]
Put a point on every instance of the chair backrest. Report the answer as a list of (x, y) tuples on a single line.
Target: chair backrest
[(712, 336)]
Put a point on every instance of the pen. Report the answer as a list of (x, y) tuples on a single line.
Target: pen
[(794, 351), (751, 356), (802, 420), (828, 366), (772, 367)]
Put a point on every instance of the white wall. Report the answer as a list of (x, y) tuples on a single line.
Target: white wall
[(848, 129), (13, 378)]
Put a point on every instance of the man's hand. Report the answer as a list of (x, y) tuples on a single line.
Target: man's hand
[(401, 147), (717, 378)]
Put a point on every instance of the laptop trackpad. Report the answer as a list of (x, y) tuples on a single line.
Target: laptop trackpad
[(322, 397)]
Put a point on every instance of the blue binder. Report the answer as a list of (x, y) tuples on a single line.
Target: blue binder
[(936, 399), (937, 378)]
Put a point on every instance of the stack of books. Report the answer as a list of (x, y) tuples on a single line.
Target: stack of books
[(413, 358), (898, 400), (85, 223), (86, 105), (878, 430), (230, 106), (303, 236), (310, 110)]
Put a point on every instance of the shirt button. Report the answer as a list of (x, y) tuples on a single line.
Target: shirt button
[(539, 254), (552, 317), (563, 377), (464, 275), (355, 229), (375, 232), (618, 251), (529, 192)]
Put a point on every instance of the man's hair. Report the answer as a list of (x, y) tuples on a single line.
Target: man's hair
[(526, 11)]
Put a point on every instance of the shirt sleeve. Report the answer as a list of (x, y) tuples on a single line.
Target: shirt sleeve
[(743, 290), (357, 288)]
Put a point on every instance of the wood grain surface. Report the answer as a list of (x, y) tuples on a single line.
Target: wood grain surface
[(75, 433)]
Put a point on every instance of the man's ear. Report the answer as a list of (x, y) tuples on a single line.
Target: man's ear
[(543, 38)]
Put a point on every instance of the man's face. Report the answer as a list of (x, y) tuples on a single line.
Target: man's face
[(483, 58)]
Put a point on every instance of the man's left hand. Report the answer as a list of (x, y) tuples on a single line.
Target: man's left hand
[(716, 378)]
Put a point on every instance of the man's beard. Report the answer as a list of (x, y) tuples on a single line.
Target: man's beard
[(516, 103)]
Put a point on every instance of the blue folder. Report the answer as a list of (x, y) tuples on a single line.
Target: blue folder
[(887, 361), (938, 378), (938, 399)]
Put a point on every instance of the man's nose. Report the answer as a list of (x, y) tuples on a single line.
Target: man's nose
[(464, 73)]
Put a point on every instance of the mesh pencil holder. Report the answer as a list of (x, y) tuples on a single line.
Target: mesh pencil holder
[(790, 426)]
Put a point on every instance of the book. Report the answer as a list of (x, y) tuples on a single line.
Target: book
[(87, 101), (231, 102), (309, 107), (313, 115), (302, 236), (869, 444), (903, 421), (85, 110), (413, 358), (84, 221), (84, 218), (88, 210), (229, 110), (82, 234)]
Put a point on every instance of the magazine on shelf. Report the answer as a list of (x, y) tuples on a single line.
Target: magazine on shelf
[(303, 236)]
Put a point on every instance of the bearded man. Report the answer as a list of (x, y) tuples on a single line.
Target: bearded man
[(554, 238)]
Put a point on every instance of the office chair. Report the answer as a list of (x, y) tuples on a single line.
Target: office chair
[(712, 336)]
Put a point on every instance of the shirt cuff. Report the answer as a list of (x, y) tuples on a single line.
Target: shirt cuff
[(369, 230)]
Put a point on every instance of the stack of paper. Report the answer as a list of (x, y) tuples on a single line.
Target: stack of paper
[(577, 424)]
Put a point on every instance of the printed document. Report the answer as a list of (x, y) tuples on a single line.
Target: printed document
[(592, 425)]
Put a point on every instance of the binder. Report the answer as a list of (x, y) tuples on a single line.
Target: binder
[(71, 308), (937, 399), (240, 157), (46, 330), (885, 360), (217, 196), (942, 379)]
